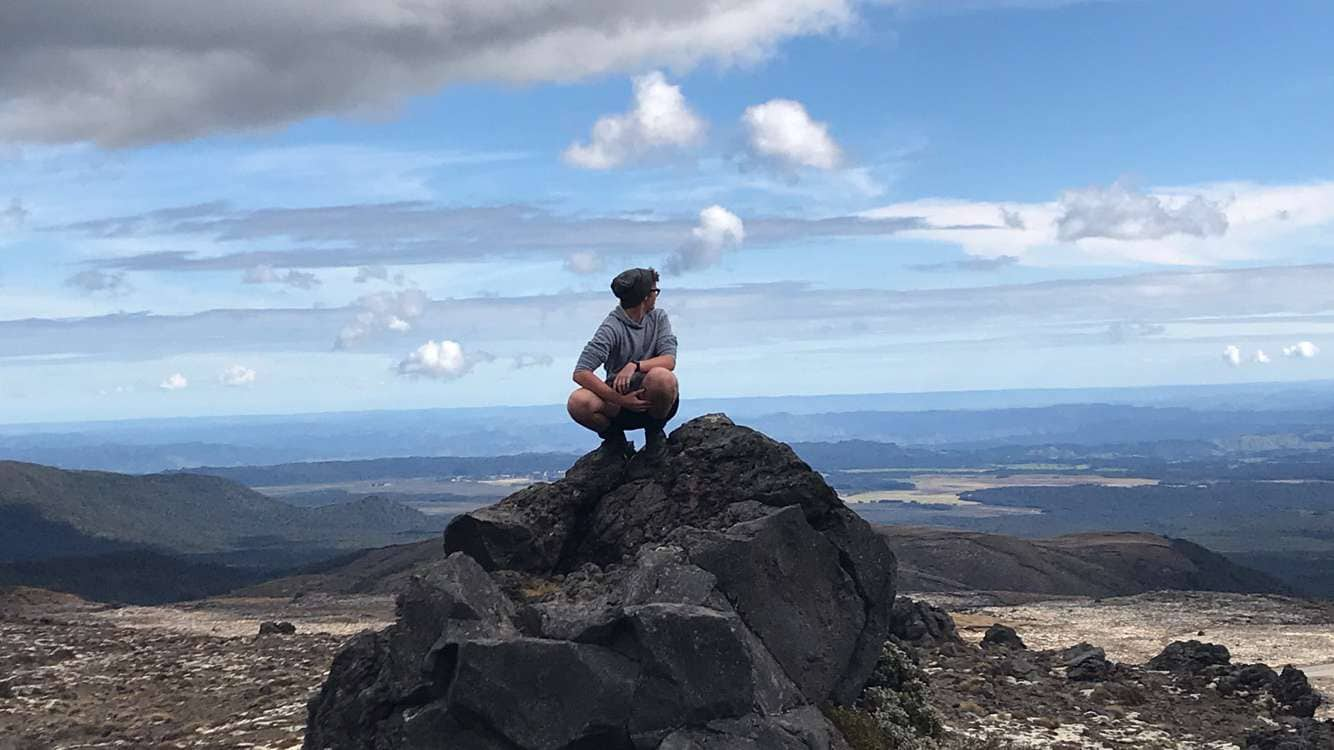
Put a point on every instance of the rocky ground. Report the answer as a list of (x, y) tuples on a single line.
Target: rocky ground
[(195, 675), (79, 675), (1032, 696)]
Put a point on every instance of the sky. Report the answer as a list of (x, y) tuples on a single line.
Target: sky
[(281, 206)]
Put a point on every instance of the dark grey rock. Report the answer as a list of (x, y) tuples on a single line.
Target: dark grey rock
[(1190, 656), (920, 623), (277, 628), (786, 582), (1292, 734), (543, 694), (1293, 693), (801, 729), (1002, 636)]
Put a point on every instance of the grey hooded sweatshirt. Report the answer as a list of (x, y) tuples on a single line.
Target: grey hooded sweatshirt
[(620, 341)]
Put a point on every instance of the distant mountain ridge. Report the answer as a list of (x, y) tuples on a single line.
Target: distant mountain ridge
[(1092, 564), (929, 559), (47, 512)]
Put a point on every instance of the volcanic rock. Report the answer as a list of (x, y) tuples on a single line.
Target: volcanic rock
[(1002, 636), (1190, 656), (276, 628), (919, 623), (712, 598)]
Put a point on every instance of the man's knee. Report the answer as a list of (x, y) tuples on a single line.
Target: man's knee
[(583, 403), (660, 380)]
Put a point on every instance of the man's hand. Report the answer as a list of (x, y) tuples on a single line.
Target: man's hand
[(622, 381), (634, 401)]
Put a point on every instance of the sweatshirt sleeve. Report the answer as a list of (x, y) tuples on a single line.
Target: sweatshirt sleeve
[(596, 350), (666, 343)]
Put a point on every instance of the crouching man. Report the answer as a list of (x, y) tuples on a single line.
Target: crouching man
[(637, 348)]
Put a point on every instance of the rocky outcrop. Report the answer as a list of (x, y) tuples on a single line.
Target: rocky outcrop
[(921, 623), (715, 598)]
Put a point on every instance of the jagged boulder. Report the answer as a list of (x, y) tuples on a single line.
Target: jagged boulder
[(715, 598), (1190, 656), (920, 623), (1002, 636)]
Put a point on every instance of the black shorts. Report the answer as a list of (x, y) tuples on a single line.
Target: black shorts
[(640, 420)]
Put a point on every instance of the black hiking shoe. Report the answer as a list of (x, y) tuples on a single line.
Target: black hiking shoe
[(615, 444), (655, 443)]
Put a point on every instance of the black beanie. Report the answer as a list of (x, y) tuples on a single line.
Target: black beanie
[(632, 286)]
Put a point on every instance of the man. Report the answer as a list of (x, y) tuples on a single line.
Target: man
[(636, 346)]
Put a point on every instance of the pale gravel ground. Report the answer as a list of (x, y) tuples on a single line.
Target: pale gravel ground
[(1275, 630)]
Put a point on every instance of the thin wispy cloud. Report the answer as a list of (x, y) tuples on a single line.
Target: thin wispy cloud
[(264, 274), (99, 282), (380, 313), (968, 264), (584, 262), (415, 233)]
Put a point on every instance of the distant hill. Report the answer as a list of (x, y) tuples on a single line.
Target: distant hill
[(131, 577), (316, 472), (930, 559), (47, 512), (1098, 564)]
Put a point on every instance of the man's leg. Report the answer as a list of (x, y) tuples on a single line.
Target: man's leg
[(660, 390), (590, 411)]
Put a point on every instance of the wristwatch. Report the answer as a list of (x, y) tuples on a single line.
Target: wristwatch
[(636, 365)]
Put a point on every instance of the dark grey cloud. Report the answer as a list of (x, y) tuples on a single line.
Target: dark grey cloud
[(370, 235), (733, 317), (969, 264), (95, 282), (1120, 212), (14, 215), (134, 72)]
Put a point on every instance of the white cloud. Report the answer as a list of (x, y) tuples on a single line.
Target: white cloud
[(142, 71), (237, 376), (174, 382), (1232, 355), (583, 261), (1119, 212), (660, 119), (264, 274), (782, 131), (1301, 350), (717, 231), (1260, 358), (382, 311), (441, 361)]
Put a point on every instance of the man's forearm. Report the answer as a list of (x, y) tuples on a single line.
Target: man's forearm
[(667, 361), (590, 380)]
